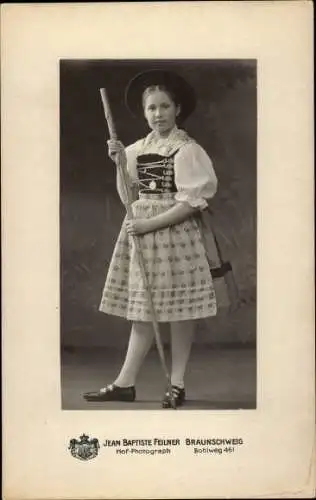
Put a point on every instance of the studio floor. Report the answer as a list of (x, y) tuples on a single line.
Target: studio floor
[(218, 378)]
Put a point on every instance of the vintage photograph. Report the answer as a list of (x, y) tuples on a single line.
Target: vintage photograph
[(158, 207), (157, 192)]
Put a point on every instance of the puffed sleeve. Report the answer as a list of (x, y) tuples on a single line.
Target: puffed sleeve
[(195, 178), (131, 152), (131, 156)]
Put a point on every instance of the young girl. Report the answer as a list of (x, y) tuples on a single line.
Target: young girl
[(174, 178)]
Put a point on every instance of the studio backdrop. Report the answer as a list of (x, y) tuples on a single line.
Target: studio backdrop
[(224, 123)]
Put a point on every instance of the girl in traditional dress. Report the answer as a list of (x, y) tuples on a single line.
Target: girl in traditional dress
[(174, 178)]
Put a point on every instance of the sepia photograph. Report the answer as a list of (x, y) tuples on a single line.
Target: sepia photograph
[(158, 277), (158, 198)]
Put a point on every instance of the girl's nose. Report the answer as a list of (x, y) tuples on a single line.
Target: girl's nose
[(158, 112)]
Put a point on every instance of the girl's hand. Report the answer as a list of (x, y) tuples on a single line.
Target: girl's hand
[(116, 150), (138, 226)]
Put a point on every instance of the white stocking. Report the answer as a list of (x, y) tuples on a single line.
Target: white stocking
[(182, 334), (141, 338)]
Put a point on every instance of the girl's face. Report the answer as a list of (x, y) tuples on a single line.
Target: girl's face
[(160, 111)]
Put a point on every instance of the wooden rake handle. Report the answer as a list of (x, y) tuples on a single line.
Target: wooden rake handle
[(125, 181)]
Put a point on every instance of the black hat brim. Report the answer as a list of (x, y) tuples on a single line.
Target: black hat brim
[(172, 81)]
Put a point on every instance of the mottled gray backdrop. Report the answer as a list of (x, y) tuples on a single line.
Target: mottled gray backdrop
[(224, 123)]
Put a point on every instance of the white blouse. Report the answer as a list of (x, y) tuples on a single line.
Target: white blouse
[(195, 178)]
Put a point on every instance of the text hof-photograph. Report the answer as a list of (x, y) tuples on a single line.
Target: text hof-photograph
[(158, 243)]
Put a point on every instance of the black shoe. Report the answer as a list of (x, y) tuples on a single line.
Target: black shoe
[(112, 393), (178, 396)]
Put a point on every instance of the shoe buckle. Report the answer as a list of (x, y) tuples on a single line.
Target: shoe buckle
[(106, 389)]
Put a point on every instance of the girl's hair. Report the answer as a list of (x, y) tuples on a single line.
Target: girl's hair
[(162, 88)]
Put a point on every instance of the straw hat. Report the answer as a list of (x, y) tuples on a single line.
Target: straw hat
[(177, 85)]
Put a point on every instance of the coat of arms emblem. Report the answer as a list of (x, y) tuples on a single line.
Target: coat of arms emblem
[(84, 448)]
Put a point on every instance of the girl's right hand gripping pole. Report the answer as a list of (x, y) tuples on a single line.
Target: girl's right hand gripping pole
[(113, 135)]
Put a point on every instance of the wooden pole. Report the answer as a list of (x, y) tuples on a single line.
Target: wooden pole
[(128, 197)]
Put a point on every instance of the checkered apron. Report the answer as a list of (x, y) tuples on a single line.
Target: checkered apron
[(176, 267), (175, 259)]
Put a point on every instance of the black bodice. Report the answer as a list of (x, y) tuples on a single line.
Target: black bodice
[(156, 173)]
